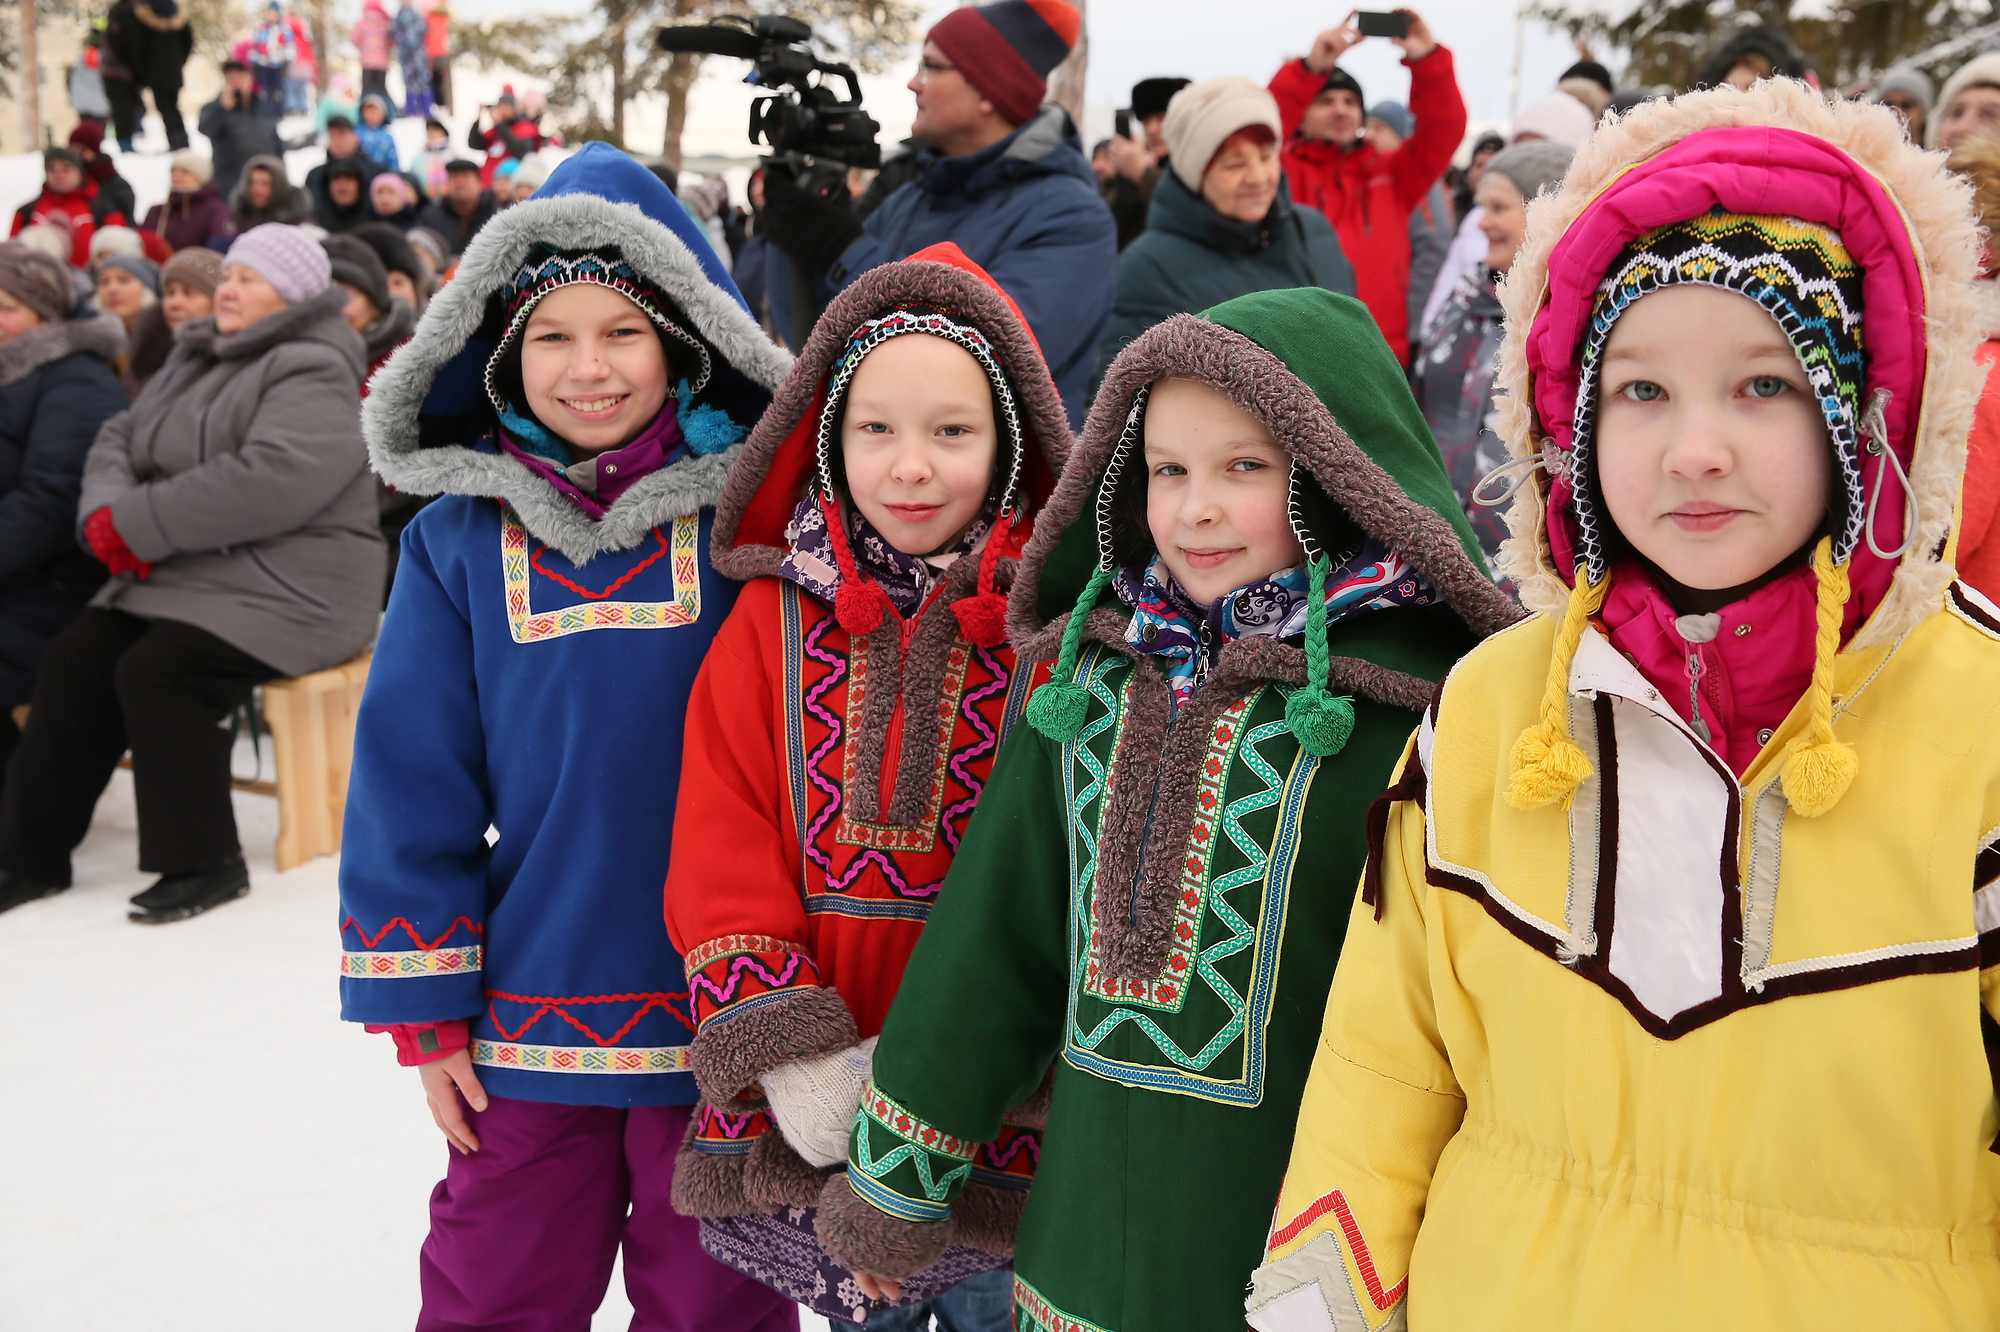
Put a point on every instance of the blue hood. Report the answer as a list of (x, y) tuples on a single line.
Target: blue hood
[(603, 172)]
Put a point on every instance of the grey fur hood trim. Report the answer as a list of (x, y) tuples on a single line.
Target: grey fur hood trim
[(947, 286), (457, 313), (102, 335)]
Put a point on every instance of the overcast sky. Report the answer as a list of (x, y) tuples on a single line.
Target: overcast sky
[(1132, 39)]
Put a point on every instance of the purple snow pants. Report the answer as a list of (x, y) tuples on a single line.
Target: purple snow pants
[(524, 1231)]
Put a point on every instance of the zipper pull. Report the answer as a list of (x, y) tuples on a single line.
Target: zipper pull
[(1694, 631), (907, 630)]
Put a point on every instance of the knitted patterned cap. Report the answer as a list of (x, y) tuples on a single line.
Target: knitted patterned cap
[(861, 604), (1797, 271), (548, 269)]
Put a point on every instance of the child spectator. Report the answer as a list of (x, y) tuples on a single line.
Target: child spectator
[(374, 44), (1251, 576), (1662, 1005), (583, 455), (877, 513), (270, 55), (407, 30), (377, 142), (428, 166), (393, 201), (437, 48)]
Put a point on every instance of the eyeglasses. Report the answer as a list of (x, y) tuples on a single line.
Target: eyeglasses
[(928, 69)]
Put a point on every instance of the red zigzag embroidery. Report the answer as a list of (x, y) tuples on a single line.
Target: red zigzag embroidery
[(1336, 1202)]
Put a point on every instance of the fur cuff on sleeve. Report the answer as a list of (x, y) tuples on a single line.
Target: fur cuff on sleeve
[(708, 1169), (776, 1177), (863, 1238), (988, 1218), (737, 1046)]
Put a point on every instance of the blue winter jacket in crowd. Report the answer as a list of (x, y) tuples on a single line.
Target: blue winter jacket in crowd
[(56, 389), (1027, 210), (532, 677)]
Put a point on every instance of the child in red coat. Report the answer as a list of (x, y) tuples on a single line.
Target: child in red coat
[(839, 736)]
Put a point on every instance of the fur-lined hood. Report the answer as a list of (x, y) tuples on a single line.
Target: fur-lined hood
[(427, 410), (777, 462), (1296, 361), (101, 335), (1782, 148)]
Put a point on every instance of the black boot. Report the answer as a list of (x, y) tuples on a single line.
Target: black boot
[(18, 888), (178, 896)]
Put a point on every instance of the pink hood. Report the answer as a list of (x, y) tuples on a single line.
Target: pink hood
[(1908, 224)]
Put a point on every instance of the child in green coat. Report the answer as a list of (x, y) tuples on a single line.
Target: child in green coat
[(1251, 575)]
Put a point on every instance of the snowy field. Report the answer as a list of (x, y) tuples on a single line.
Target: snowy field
[(190, 1138)]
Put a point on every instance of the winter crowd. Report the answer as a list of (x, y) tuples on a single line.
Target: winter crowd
[(1253, 727)]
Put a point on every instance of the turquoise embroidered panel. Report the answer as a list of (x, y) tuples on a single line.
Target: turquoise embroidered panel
[(1198, 1028)]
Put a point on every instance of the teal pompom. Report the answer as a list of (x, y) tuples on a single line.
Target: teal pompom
[(1321, 722), (706, 429), (1058, 707), (534, 437)]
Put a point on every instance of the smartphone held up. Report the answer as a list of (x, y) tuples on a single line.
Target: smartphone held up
[(1382, 23)]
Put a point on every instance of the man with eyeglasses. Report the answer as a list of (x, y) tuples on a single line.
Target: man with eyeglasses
[(1001, 175)]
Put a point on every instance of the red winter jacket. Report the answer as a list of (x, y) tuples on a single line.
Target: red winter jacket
[(80, 212), (1368, 195)]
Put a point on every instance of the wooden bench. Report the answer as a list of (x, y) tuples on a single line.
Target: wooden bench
[(311, 720)]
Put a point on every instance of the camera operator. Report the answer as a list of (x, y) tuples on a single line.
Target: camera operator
[(239, 125), (1003, 177)]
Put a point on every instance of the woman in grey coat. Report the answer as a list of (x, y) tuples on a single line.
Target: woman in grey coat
[(234, 509)]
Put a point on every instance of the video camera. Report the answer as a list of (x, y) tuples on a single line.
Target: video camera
[(810, 128)]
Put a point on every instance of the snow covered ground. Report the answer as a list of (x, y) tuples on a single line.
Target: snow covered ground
[(190, 1138)]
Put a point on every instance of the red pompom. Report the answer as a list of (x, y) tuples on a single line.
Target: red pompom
[(860, 605), (983, 619)]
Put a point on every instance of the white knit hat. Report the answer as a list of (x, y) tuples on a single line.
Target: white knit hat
[(1558, 117), (287, 258), (1203, 115), (194, 164), (1982, 71)]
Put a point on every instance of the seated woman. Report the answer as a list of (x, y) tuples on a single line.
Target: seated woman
[(234, 508), (1222, 223), (56, 389), (187, 292)]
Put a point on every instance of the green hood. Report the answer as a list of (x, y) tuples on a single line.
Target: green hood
[(1312, 366)]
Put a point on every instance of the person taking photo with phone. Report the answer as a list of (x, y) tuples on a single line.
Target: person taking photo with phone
[(1366, 193)]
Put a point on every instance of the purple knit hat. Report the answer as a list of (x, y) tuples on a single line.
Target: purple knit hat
[(291, 261)]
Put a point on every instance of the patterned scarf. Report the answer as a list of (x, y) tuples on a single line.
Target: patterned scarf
[(1168, 625), (908, 579)]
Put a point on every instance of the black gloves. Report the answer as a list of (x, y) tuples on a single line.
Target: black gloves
[(812, 231)]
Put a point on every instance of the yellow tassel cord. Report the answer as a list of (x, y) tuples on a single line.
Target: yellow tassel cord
[(1548, 765), (1819, 768)]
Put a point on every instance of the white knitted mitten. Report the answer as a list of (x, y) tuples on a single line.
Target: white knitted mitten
[(814, 1100)]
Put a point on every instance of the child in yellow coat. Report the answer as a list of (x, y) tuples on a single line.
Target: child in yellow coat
[(1667, 998)]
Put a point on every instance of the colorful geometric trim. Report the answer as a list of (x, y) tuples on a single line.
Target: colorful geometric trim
[(417, 962), (702, 954), (908, 1168), (1168, 990), (580, 1059), (736, 980), (719, 1134), (922, 835), (1035, 1314), (1250, 922), (528, 625), (1350, 1230)]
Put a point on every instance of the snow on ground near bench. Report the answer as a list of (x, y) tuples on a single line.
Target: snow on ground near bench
[(190, 1138)]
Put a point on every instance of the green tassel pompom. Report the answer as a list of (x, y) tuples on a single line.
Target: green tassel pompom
[(1320, 721), (1058, 708)]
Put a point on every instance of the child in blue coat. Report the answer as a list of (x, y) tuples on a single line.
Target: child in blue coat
[(575, 394)]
